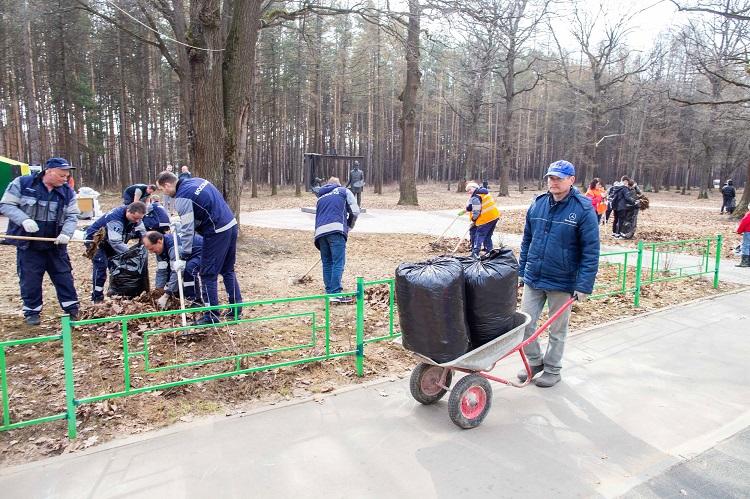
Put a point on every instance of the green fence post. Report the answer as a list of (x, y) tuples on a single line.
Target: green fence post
[(69, 383), (718, 261), (638, 268), (360, 326), (4, 389)]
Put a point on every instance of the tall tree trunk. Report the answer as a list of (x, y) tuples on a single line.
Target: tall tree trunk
[(408, 98)]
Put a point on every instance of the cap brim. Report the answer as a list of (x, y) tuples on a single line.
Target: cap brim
[(557, 174)]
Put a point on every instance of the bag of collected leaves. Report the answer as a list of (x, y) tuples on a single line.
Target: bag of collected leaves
[(128, 272), (491, 284), (430, 298)]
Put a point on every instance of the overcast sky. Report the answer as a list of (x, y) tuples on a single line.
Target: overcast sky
[(651, 18)]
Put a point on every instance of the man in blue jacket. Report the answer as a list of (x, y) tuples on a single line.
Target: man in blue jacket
[(120, 224), (162, 245), (202, 209), (137, 192), (335, 213), (559, 258), (43, 205), (156, 217)]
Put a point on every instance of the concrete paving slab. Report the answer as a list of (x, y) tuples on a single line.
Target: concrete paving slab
[(622, 415)]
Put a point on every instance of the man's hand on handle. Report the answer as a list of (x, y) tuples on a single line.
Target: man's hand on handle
[(580, 296), (62, 239)]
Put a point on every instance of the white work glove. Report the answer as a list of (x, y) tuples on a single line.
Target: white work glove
[(580, 296), (62, 239), (162, 302), (178, 265), (30, 226)]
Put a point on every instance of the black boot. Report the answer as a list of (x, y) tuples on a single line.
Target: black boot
[(745, 262)]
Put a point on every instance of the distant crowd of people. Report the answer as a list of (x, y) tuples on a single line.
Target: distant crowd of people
[(622, 202)]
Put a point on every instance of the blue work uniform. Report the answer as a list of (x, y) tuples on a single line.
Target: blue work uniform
[(119, 231), (128, 195), (56, 212), (156, 218), (166, 278), (203, 210), (335, 213)]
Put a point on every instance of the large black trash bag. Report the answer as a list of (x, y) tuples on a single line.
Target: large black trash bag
[(430, 298), (491, 294), (128, 272)]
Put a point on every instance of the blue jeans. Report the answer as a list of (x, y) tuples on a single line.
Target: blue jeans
[(532, 303), (481, 235), (746, 243), (333, 256)]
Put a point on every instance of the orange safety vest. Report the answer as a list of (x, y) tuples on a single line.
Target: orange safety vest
[(489, 210)]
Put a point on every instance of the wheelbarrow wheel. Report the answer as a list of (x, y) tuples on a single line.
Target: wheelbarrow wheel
[(425, 383), (470, 401)]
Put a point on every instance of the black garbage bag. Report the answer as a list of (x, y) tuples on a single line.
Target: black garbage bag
[(491, 294), (430, 298), (128, 272)]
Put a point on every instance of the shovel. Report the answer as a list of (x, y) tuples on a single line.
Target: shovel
[(175, 229)]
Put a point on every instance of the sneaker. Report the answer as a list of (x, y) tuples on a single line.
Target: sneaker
[(547, 379), (342, 300), (33, 320), (522, 374), (73, 315)]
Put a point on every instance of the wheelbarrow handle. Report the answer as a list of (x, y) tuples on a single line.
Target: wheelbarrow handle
[(549, 322)]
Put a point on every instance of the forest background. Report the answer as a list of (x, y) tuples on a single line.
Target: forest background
[(424, 90)]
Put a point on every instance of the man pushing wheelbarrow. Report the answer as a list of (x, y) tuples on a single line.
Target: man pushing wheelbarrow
[(559, 258), (558, 266)]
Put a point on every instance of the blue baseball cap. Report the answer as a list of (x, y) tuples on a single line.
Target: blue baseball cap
[(561, 169), (60, 163)]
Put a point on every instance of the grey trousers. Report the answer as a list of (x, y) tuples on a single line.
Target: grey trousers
[(532, 303)]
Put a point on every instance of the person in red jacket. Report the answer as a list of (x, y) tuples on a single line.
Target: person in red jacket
[(744, 229)]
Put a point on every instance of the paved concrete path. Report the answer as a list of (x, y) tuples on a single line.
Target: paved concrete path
[(436, 222), (637, 398)]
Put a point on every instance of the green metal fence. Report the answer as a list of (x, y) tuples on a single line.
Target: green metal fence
[(660, 261), (320, 331)]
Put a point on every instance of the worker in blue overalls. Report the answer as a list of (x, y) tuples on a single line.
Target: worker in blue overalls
[(156, 217), (202, 209), (43, 205), (162, 245), (121, 224)]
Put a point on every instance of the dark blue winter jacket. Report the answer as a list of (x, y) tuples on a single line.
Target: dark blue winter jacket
[(55, 211), (335, 212), (119, 230), (156, 218), (560, 246), (202, 209), (165, 277)]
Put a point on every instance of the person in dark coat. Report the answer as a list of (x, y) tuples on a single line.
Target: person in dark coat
[(163, 246), (728, 195), (184, 173), (335, 214), (156, 217), (356, 182), (203, 210), (43, 205), (120, 224), (137, 192), (559, 258), (620, 200)]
